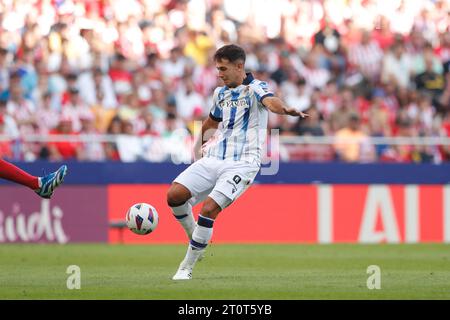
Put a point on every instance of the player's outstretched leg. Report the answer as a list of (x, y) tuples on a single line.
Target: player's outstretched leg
[(177, 199), (200, 239), (50, 182)]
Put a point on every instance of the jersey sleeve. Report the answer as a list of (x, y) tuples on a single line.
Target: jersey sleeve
[(216, 110), (261, 90)]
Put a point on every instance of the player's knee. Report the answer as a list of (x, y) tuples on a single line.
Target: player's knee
[(210, 210), (176, 197)]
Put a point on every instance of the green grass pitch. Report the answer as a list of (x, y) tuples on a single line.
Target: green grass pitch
[(338, 271)]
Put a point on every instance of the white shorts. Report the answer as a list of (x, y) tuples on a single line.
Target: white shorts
[(222, 180)]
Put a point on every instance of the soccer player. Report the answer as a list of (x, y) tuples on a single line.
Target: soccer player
[(43, 186), (234, 155)]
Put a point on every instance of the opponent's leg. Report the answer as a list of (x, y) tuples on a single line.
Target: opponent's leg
[(200, 239), (43, 186), (177, 199), (12, 173), (50, 182)]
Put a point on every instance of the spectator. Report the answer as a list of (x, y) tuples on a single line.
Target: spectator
[(47, 117), (92, 149), (382, 33), (427, 60), (24, 113), (198, 46), (328, 99), (311, 125), (285, 127), (74, 107), (366, 56), (205, 78), (442, 50), (174, 67), (97, 89), (148, 127), (295, 92), (64, 150), (328, 37), (400, 153), (114, 128), (315, 73), (345, 108), (176, 137), (4, 70), (397, 67), (25, 65), (430, 81), (5, 145), (187, 100), (10, 126), (120, 75), (128, 144), (351, 143), (281, 74)]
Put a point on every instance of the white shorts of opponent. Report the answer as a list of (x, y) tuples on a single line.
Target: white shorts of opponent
[(222, 180)]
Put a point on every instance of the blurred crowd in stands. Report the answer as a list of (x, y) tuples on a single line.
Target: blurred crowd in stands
[(143, 70)]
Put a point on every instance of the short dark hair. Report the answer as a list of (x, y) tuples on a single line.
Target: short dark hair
[(230, 52)]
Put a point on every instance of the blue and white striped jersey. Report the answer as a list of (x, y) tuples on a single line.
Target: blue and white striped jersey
[(243, 131)]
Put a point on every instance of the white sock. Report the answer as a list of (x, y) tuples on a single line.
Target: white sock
[(191, 257), (200, 237), (185, 217)]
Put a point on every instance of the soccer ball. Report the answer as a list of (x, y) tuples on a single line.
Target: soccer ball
[(142, 218)]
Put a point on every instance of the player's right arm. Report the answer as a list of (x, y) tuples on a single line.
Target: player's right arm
[(209, 126)]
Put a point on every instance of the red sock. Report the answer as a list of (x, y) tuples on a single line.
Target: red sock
[(10, 172)]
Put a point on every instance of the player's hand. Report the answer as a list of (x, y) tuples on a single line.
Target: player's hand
[(295, 113), (198, 153)]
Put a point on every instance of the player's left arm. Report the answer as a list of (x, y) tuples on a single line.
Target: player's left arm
[(271, 102), (276, 105)]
